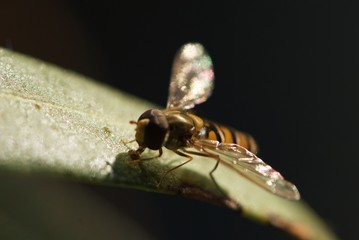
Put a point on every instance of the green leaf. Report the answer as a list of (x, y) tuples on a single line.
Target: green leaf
[(59, 123)]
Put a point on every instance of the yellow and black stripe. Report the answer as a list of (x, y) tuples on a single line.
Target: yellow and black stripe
[(224, 134)]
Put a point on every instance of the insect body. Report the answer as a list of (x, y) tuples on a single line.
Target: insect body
[(177, 129)]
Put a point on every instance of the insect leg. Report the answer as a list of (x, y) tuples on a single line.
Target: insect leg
[(135, 154), (160, 152), (125, 143), (205, 153), (174, 168)]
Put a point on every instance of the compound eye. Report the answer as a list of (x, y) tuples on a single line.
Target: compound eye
[(155, 130)]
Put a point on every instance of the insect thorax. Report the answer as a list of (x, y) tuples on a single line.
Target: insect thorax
[(182, 128)]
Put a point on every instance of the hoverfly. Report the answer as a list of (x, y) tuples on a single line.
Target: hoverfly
[(177, 129)]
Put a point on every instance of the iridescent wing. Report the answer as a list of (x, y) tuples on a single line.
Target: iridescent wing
[(192, 77), (250, 166)]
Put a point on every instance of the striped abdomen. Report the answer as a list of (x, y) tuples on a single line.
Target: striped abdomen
[(224, 134)]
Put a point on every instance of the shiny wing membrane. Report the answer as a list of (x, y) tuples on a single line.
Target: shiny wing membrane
[(192, 77), (251, 167)]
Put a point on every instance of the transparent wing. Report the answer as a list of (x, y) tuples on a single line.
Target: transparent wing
[(192, 77), (251, 167)]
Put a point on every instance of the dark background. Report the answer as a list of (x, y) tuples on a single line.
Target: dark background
[(287, 73)]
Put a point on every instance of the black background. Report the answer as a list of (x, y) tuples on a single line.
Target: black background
[(287, 73)]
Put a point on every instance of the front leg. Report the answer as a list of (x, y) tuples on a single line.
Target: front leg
[(135, 155)]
